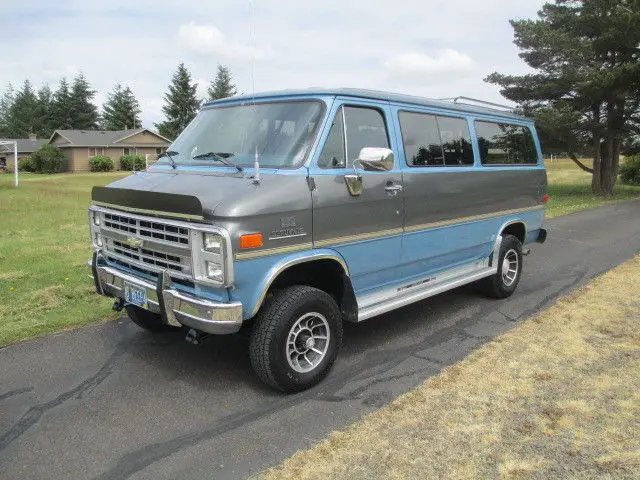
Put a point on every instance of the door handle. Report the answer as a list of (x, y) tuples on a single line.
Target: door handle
[(393, 188)]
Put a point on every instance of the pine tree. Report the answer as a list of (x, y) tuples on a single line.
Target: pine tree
[(181, 104), (121, 110), (61, 108), (6, 101), (24, 114), (221, 86), (585, 92), (45, 112), (84, 114)]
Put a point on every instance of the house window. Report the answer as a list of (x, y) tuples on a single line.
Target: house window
[(126, 151), (93, 151), (159, 150)]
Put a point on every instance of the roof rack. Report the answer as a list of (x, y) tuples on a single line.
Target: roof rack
[(481, 103)]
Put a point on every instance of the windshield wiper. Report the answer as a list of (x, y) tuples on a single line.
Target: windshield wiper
[(169, 154), (221, 157)]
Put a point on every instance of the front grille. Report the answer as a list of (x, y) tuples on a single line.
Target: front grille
[(164, 246), (147, 229)]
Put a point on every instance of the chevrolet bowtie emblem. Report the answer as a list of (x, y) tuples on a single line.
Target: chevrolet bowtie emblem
[(134, 242)]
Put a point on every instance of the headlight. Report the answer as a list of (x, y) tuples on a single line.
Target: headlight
[(96, 218), (213, 243), (97, 240), (214, 272)]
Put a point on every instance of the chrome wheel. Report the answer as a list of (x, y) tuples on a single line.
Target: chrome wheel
[(510, 267), (308, 342)]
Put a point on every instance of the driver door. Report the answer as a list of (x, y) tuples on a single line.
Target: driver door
[(363, 224)]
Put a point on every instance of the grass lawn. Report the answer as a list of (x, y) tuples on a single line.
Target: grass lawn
[(558, 397), (44, 247), (570, 189)]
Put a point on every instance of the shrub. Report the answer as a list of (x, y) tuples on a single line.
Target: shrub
[(630, 171), (26, 165), (48, 159), (132, 162), (101, 163)]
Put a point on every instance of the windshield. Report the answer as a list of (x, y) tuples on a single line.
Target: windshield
[(281, 132)]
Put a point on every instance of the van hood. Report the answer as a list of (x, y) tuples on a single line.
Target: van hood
[(205, 195)]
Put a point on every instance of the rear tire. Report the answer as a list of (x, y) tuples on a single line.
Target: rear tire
[(149, 321), (505, 281), (295, 339)]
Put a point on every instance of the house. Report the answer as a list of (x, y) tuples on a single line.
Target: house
[(81, 145), (26, 146)]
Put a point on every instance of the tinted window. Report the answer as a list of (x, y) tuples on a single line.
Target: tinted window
[(504, 144), (365, 128), (332, 155), (435, 141), (421, 139), (456, 141)]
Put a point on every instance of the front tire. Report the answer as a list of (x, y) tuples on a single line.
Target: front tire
[(296, 338), (505, 281)]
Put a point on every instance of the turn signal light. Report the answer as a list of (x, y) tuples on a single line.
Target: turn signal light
[(251, 240), (545, 199)]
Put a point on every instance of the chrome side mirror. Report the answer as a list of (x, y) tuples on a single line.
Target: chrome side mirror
[(375, 159)]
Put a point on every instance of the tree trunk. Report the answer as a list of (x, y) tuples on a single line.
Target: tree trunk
[(596, 185), (610, 163)]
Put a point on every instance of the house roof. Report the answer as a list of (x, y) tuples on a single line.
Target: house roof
[(101, 138), (370, 94), (25, 145)]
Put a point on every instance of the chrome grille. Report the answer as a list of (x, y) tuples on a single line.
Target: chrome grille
[(150, 229), (165, 246)]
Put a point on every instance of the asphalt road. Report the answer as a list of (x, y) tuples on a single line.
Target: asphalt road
[(110, 401)]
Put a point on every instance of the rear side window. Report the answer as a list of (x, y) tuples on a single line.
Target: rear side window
[(435, 141), (505, 144), (365, 127)]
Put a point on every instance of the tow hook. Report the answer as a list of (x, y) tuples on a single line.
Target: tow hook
[(194, 337), (118, 305)]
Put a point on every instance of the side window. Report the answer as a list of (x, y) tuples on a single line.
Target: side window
[(456, 141), (504, 144), (365, 128), (332, 155), (435, 141), (421, 139)]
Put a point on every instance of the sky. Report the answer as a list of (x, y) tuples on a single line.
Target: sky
[(432, 48)]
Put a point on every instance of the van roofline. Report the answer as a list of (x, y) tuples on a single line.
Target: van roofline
[(372, 95)]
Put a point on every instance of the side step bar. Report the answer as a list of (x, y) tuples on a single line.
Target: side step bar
[(426, 290)]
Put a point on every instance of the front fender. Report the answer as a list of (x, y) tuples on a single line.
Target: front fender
[(254, 277)]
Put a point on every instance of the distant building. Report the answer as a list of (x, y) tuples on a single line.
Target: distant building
[(81, 145), (26, 146)]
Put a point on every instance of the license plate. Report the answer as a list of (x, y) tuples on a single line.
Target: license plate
[(135, 295)]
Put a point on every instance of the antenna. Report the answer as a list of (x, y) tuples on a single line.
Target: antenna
[(256, 161)]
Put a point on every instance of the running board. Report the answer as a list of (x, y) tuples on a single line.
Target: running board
[(416, 291)]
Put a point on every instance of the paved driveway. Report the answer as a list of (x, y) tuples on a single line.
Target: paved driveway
[(110, 401)]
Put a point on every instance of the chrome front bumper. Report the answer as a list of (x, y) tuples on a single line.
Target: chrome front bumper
[(174, 307)]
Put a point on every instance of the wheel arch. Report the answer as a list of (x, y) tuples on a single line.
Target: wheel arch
[(517, 228), (298, 269)]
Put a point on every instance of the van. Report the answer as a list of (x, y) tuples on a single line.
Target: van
[(287, 214)]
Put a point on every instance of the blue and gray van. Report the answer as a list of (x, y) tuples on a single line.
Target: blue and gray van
[(287, 214)]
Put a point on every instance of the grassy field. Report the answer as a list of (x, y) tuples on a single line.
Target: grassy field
[(558, 397), (44, 248), (570, 189)]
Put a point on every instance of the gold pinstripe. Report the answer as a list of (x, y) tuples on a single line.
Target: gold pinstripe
[(380, 233), (454, 221), (273, 251)]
